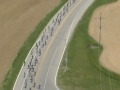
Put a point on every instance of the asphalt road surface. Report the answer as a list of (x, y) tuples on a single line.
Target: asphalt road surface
[(40, 68)]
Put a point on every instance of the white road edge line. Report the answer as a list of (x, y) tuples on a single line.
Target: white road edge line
[(65, 46), (49, 68), (22, 67), (26, 59)]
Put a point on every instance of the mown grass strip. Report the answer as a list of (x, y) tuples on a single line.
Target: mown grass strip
[(83, 61), (16, 66)]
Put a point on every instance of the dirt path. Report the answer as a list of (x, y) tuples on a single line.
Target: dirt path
[(18, 18), (110, 34)]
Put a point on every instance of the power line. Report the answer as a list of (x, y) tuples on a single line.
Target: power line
[(100, 34), (99, 41), (110, 78), (100, 28)]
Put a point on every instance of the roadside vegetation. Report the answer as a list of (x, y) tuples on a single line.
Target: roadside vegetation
[(84, 71), (11, 76)]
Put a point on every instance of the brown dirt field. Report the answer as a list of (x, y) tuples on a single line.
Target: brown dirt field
[(18, 18), (110, 35)]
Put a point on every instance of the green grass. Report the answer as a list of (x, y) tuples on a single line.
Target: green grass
[(83, 62), (16, 66)]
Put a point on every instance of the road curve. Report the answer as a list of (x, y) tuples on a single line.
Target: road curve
[(40, 68)]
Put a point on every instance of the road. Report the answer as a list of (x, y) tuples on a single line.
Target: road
[(39, 71)]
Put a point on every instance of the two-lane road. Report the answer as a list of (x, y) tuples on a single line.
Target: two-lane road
[(39, 72)]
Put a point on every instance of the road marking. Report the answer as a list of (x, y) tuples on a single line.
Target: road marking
[(64, 50), (49, 68), (46, 51), (66, 46)]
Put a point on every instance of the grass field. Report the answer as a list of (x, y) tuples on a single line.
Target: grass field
[(85, 72), (16, 66)]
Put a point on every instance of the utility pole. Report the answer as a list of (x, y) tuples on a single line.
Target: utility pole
[(100, 27)]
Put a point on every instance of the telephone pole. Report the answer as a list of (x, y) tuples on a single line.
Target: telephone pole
[(100, 27)]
